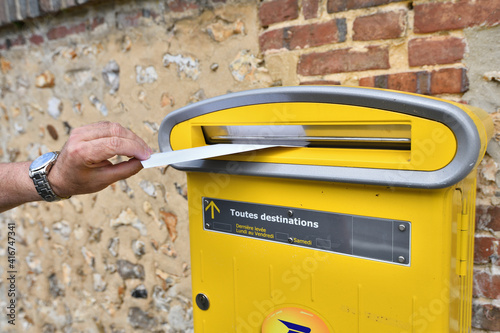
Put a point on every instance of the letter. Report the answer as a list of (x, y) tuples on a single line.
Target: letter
[(12, 305), (288, 278), (263, 216), (316, 225), (12, 321), (232, 211)]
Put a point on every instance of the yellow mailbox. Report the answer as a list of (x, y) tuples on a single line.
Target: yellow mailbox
[(360, 220)]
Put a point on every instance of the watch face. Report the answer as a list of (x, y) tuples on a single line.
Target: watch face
[(42, 160)]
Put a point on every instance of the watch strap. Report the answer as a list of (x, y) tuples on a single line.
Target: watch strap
[(44, 189), (39, 175)]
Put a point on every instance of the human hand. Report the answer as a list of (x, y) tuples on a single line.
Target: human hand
[(83, 165)]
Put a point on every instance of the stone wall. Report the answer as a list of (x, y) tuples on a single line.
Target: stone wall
[(118, 260)]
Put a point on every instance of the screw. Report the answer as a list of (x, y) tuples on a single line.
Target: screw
[(206, 202), (207, 225), (401, 259), (290, 213), (402, 227), (290, 240), (202, 301)]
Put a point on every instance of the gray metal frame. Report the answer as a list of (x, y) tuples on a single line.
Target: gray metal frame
[(462, 126)]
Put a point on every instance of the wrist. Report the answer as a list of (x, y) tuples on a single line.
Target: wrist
[(56, 182), (39, 172)]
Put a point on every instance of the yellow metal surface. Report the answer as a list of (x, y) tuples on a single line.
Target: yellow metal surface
[(255, 285), (247, 279), (433, 145)]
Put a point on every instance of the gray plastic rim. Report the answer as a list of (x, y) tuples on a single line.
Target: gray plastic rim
[(463, 127)]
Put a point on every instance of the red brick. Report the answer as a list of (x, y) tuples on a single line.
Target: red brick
[(180, 6), (334, 6), (310, 8), (486, 316), (278, 11), (344, 60), (303, 36), (388, 25), (424, 83), (435, 51), (271, 40), (367, 81), (486, 250), (128, 19), (320, 83), (314, 35), (19, 41), (432, 17), (488, 218), (416, 82), (36, 39), (77, 29), (486, 284), (62, 31), (57, 32), (403, 82), (97, 21), (449, 81)]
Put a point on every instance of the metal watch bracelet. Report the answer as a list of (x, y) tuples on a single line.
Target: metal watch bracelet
[(44, 189)]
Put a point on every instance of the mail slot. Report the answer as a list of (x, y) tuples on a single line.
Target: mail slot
[(360, 218)]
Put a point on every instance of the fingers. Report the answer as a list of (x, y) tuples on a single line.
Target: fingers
[(99, 150), (83, 165), (96, 143), (114, 131), (113, 173)]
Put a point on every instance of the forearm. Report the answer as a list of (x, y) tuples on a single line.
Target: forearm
[(82, 167), (16, 187)]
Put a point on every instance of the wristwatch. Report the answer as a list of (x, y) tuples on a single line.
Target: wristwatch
[(38, 172)]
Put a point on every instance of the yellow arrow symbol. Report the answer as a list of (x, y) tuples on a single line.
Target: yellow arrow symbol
[(212, 205)]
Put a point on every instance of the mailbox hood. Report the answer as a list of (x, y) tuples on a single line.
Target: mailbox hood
[(340, 134)]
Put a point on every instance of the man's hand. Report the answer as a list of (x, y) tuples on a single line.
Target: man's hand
[(83, 165)]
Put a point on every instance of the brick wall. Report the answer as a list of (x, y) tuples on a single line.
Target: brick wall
[(413, 46), (346, 36), (18, 18)]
